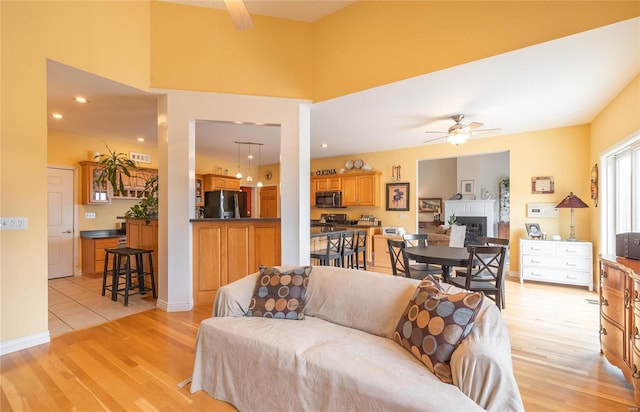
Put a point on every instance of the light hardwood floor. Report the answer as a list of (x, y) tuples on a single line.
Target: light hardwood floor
[(136, 363)]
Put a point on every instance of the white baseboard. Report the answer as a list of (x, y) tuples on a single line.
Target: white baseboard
[(25, 342), (174, 307)]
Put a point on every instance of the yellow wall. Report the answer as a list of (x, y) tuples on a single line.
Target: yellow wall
[(195, 48), (371, 43), (618, 121), (110, 39), (542, 153)]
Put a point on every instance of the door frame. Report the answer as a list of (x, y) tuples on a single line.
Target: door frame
[(76, 231)]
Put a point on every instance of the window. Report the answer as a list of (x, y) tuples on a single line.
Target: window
[(620, 211)]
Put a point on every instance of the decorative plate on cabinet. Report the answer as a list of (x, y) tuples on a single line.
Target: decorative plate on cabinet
[(358, 163), (349, 164)]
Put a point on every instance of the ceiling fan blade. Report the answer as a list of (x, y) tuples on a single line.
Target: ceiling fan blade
[(433, 140), (486, 130), (473, 125), (431, 131), (239, 14)]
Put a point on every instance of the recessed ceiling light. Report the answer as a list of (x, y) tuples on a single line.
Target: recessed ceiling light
[(80, 99), (324, 145), (141, 139), (56, 116)]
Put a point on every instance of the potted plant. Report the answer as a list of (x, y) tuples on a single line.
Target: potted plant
[(148, 205), (112, 166), (452, 219)]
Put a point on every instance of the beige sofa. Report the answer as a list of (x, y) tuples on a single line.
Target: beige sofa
[(446, 236), (341, 356)]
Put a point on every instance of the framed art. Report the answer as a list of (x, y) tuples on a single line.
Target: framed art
[(466, 187), (398, 196), (429, 205), (533, 230), (542, 185)]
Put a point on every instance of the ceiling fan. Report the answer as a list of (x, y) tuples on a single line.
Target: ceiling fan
[(459, 133), (239, 14)]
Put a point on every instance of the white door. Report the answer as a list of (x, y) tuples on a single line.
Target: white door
[(60, 222)]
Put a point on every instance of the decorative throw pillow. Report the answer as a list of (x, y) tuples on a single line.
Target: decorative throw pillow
[(435, 282), (280, 294), (434, 323)]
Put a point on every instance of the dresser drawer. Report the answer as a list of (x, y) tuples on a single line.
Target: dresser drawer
[(557, 276), (559, 262), (535, 247), (612, 278), (612, 306), (573, 249), (612, 338)]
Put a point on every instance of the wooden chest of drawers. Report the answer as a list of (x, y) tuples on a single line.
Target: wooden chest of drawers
[(554, 261)]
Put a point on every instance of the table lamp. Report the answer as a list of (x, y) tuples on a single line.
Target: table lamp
[(572, 201)]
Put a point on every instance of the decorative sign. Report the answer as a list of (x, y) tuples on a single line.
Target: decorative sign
[(542, 185), (326, 172)]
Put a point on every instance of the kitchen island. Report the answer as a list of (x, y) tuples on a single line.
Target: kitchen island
[(225, 250)]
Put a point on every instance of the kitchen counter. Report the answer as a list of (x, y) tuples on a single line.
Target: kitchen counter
[(323, 230), (102, 234), (241, 219)]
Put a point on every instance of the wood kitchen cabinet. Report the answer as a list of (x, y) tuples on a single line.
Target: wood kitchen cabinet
[(199, 191), (362, 189), (229, 249), (143, 234), (327, 183), (93, 254), (220, 182), (92, 192), (620, 316), (135, 183), (381, 256)]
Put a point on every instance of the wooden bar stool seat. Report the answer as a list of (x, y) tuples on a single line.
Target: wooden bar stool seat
[(122, 268)]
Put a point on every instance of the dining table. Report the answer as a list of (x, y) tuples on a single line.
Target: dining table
[(445, 256)]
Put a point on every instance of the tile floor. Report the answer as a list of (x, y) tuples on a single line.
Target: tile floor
[(76, 302)]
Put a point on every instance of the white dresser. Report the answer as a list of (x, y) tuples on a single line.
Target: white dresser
[(557, 261)]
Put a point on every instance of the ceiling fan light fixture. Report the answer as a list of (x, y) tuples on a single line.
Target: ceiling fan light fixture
[(457, 138)]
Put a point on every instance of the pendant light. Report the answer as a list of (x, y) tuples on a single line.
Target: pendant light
[(259, 159), (249, 178), (238, 175)]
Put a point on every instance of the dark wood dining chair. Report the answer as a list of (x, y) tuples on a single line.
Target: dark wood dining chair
[(361, 248), (332, 252), (485, 272), (492, 241), (400, 261), (348, 249), (420, 240)]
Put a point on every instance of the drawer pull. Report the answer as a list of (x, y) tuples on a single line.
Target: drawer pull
[(636, 336), (636, 298), (636, 373), (603, 331), (535, 261), (535, 274), (605, 302), (626, 297), (604, 275), (570, 264), (571, 277)]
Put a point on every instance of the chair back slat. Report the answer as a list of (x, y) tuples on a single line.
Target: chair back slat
[(415, 239), (399, 261)]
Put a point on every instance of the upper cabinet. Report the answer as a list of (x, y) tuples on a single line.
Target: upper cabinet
[(358, 189), (199, 191), (361, 189), (94, 193), (220, 182)]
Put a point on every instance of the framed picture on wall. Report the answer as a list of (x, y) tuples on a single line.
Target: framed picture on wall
[(429, 205), (466, 187), (398, 196)]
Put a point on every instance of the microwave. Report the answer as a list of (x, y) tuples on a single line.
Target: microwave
[(329, 199)]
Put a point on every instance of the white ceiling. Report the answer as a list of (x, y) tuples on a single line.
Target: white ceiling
[(564, 82)]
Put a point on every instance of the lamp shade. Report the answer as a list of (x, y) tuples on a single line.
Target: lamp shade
[(571, 201)]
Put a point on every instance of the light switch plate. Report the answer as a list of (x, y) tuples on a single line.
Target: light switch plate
[(13, 223), (90, 215)]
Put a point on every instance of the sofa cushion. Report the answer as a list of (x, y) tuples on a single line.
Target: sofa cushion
[(280, 294), (434, 323)]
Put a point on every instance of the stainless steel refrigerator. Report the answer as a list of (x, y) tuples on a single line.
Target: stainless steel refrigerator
[(225, 204)]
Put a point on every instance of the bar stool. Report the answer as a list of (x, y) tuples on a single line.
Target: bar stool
[(332, 251), (361, 247), (121, 267), (348, 249)]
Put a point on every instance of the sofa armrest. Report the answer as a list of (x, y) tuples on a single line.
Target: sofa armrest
[(233, 299), (483, 360)]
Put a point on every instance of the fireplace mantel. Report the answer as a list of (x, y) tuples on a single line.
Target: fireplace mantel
[(480, 208)]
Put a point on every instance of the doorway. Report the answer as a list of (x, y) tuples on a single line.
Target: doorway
[(60, 221)]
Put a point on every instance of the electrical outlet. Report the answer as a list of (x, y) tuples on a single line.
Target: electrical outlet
[(13, 223), (89, 215), (402, 215)]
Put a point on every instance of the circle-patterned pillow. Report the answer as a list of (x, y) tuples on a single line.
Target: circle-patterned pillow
[(280, 294), (434, 323)]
